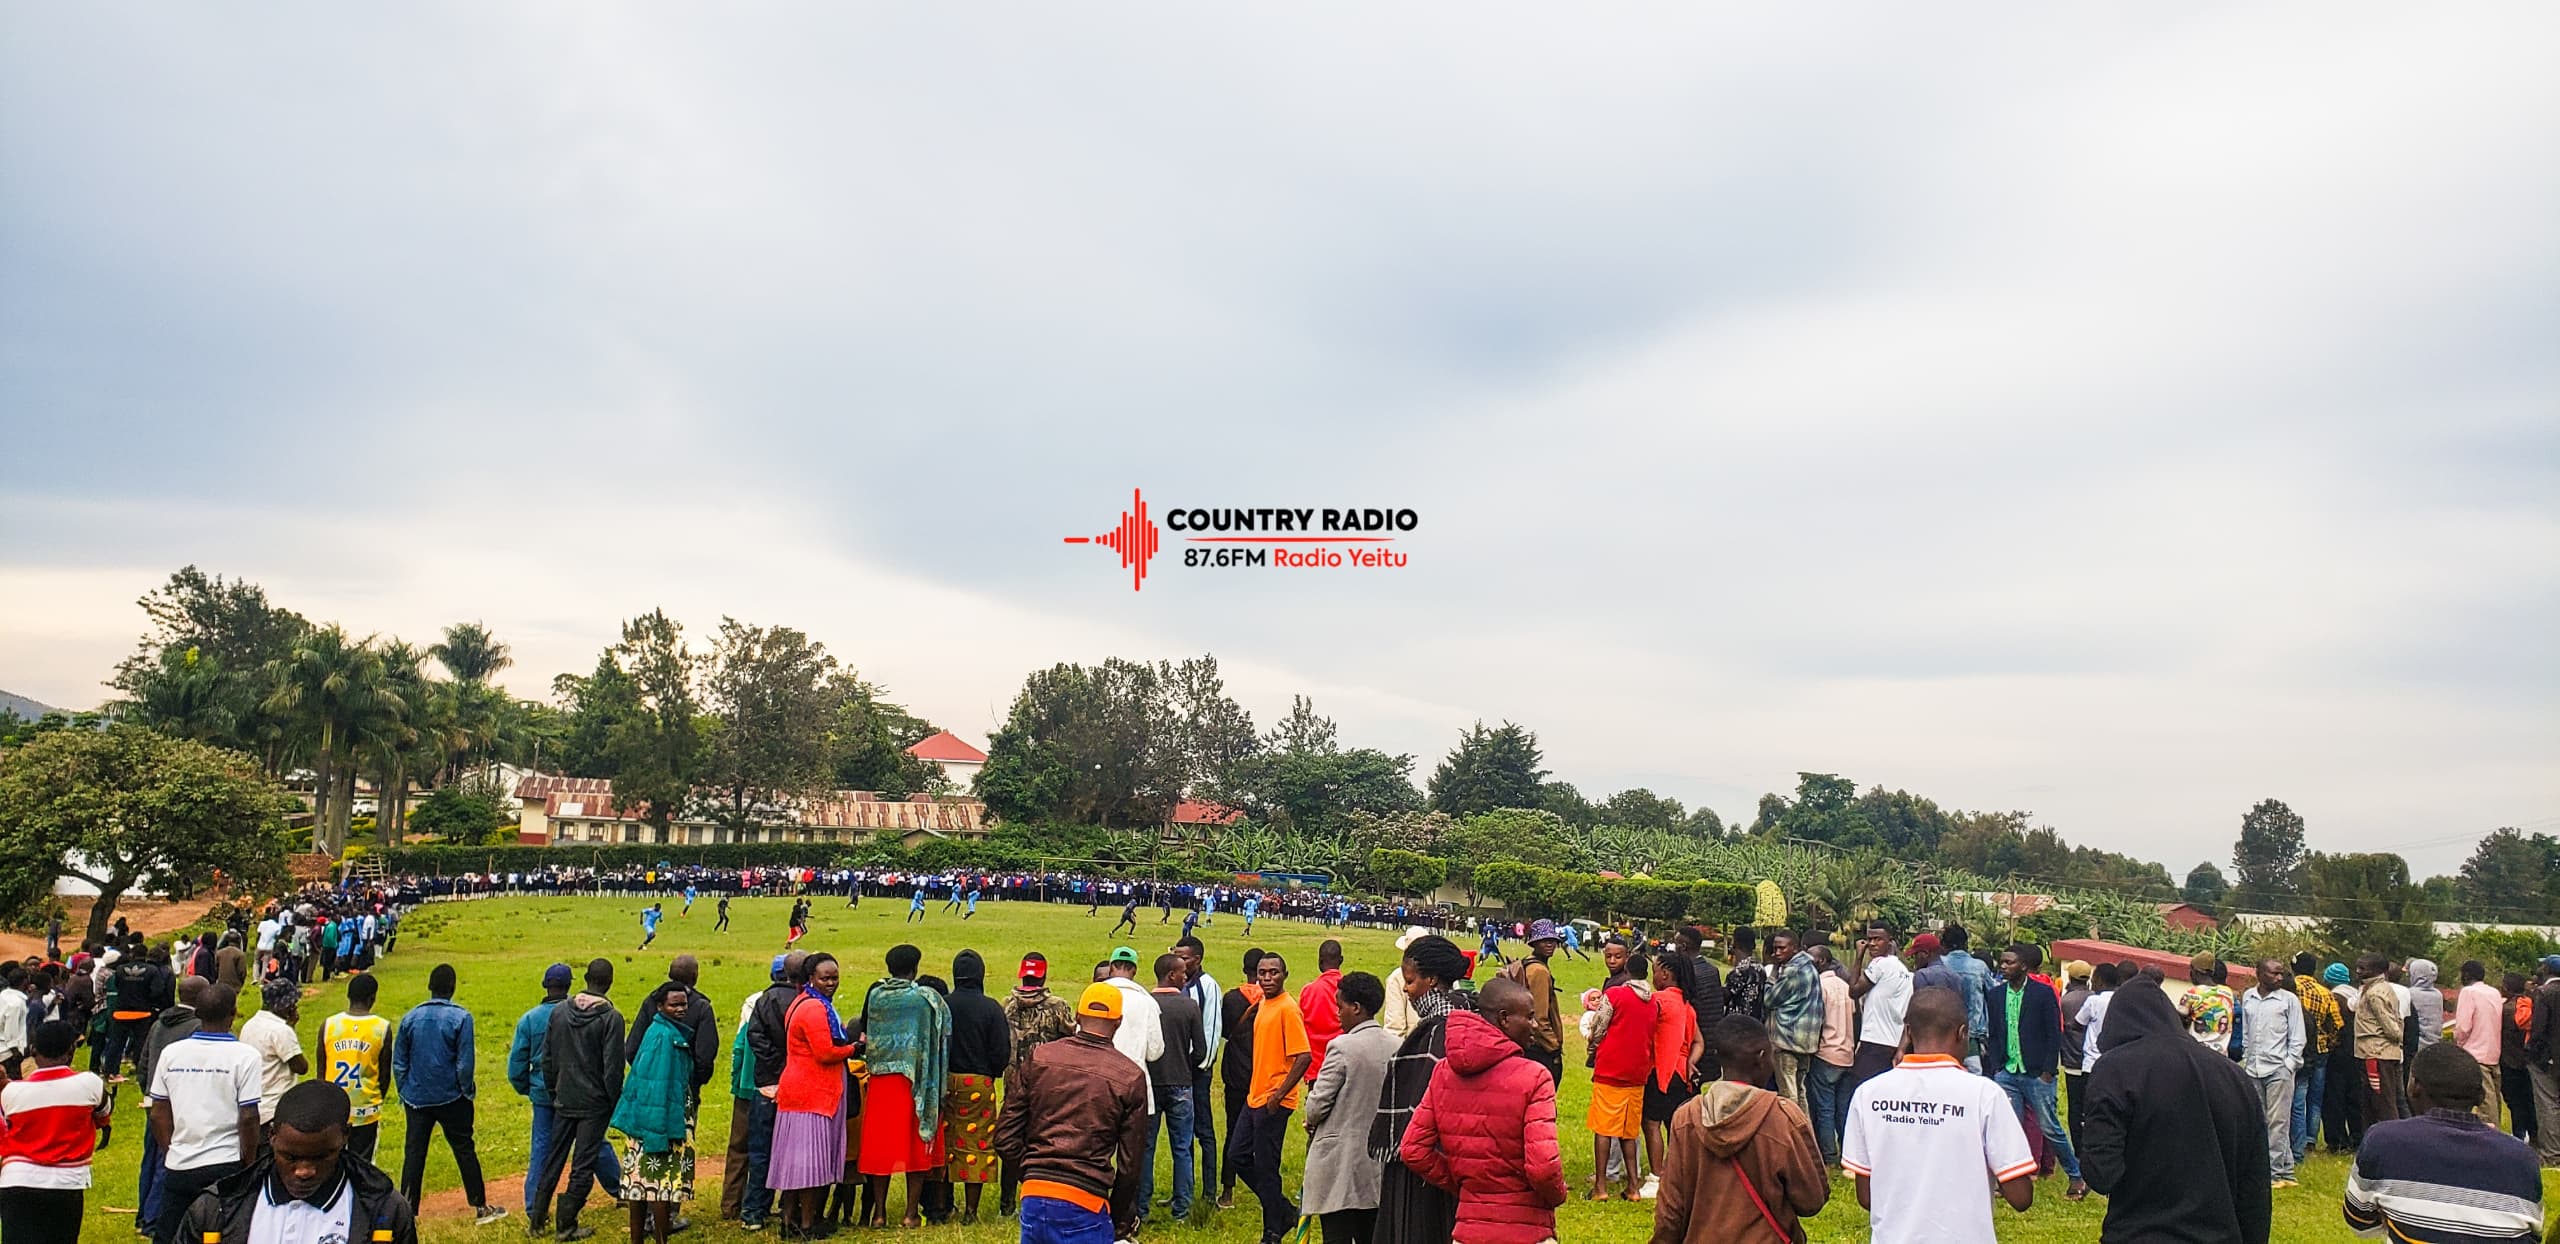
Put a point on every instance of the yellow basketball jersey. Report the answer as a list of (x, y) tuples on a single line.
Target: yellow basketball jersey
[(354, 1045)]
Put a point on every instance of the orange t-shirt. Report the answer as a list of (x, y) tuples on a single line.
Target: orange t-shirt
[(1279, 1034)]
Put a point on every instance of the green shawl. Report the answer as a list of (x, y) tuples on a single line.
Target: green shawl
[(907, 1032), (653, 1095)]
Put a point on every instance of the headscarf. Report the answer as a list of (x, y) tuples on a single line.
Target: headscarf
[(280, 995), (908, 1031), (2334, 974), (835, 1022)]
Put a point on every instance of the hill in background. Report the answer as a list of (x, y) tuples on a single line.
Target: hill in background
[(24, 707)]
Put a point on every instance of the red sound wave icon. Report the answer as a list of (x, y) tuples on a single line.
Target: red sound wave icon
[(1135, 539)]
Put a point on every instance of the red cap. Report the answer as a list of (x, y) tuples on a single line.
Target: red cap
[(1033, 965), (1925, 944)]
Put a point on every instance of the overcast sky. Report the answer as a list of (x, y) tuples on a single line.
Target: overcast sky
[(2120, 416)]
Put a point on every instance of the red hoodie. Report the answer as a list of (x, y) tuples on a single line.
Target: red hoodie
[(1486, 1131)]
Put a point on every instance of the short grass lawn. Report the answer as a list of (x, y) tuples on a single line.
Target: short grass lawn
[(500, 947)]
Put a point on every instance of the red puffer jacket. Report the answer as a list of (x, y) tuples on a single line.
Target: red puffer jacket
[(1486, 1131)]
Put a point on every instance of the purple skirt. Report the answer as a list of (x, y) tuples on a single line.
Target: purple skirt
[(808, 1149)]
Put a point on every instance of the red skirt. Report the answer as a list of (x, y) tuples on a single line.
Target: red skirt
[(890, 1145)]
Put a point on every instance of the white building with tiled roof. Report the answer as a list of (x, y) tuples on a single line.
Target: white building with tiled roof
[(957, 760)]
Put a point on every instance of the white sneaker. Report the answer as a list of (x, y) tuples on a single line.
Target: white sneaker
[(1652, 1184)]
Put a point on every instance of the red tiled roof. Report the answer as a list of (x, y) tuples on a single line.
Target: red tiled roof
[(1202, 812), (539, 785), (945, 745)]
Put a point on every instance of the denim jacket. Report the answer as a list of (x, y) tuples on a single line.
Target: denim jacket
[(431, 1058)]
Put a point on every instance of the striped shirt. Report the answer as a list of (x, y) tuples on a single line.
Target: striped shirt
[(48, 1128), (2445, 1177)]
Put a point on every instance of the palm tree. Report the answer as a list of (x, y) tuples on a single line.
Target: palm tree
[(185, 698), (334, 689), (411, 740), (470, 653)]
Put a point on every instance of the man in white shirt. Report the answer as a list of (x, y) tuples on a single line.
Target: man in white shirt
[(1922, 1135), (204, 1109), (2271, 1043), (1882, 986), (2093, 1013), (270, 1032), (13, 1020), (1138, 1010)]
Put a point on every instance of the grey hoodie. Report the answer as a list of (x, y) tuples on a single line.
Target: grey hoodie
[(2426, 1002)]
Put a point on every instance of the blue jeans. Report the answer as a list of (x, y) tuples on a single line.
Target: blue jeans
[(1048, 1220), (2308, 1084), (147, 1179), (1173, 1105), (1204, 1127), (2034, 1093), (1828, 1086), (608, 1167), (759, 1159)]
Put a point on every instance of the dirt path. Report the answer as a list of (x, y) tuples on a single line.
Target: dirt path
[(143, 915)]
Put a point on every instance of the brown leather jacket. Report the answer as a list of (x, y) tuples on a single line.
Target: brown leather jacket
[(1076, 1113)]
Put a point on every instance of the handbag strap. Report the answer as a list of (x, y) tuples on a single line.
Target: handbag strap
[(1757, 1203)]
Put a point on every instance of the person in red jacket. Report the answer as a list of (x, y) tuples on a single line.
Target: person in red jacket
[(1486, 1128), (1319, 1003), (1621, 1063)]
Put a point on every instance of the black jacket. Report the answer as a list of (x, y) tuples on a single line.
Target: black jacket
[(223, 1214), (981, 1038), (1185, 1040), (702, 1032), (582, 1056), (769, 1032), (2173, 1137), (2039, 1030)]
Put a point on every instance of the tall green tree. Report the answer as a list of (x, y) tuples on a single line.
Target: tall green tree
[(2268, 858), (2512, 878), (1567, 802), (1489, 769), (190, 696), (771, 689), (2205, 887), (2366, 902), (1302, 732), (593, 708), (405, 740), (655, 754), (868, 738), (1210, 736), (332, 689), (125, 808), (1638, 808), (238, 634), (471, 654)]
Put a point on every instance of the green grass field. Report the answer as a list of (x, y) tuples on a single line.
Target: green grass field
[(500, 947)]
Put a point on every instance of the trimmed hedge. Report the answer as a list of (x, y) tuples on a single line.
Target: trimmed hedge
[(1591, 896), (1000, 854)]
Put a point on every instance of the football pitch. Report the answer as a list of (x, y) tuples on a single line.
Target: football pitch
[(500, 946)]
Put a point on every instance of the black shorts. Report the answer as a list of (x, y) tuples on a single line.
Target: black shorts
[(1659, 1102)]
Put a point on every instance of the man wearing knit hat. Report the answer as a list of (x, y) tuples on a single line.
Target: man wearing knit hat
[(1062, 1107)]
